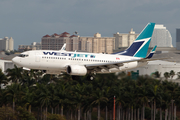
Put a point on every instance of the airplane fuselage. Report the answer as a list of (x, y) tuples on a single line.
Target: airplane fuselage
[(54, 62)]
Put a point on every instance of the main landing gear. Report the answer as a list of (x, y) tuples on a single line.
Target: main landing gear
[(91, 76)]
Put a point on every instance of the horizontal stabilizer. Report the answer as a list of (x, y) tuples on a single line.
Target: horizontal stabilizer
[(151, 53)]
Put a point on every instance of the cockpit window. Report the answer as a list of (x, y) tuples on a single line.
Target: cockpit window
[(23, 55)]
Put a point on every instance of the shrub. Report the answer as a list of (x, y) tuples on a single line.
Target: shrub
[(55, 117)]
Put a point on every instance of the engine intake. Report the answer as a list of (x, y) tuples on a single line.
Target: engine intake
[(76, 70)]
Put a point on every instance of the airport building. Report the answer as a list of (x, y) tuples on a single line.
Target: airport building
[(6, 44), (33, 46), (178, 39), (5, 64), (160, 66)]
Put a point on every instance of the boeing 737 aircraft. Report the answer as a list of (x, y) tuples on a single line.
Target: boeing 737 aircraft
[(80, 63)]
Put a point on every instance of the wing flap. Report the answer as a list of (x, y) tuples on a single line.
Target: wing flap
[(107, 66)]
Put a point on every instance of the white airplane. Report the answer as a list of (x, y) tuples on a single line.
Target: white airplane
[(80, 63)]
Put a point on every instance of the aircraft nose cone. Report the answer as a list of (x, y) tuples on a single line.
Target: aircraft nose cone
[(15, 60)]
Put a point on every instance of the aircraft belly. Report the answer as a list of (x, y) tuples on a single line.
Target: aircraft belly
[(53, 66)]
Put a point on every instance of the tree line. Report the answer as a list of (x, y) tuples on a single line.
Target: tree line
[(34, 95)]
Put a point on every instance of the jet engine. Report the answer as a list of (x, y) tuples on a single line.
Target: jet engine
[(76, 70)]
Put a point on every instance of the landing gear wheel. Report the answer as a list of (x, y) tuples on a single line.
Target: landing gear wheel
[(90, 77)]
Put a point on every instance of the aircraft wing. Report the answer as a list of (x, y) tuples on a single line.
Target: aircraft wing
[(64, 47), (109, 65)]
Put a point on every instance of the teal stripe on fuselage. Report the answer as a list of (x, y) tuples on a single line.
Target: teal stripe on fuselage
[(147, 32)]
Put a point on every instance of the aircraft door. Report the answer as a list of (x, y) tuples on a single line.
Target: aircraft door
[(37, 58)]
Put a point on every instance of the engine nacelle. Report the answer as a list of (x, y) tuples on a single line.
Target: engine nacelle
[(76, 70), (128, 66)]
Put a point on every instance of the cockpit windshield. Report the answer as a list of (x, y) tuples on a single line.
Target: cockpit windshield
[(23, 55)]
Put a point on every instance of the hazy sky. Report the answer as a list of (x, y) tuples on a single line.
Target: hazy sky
[(28, 20)]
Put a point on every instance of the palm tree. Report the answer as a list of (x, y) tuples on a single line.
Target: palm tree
[(102, 84), (53, 92), (79, 98), (28, 98), (155, 95), (178, 74), (166, 75), (98, 97), (14, 74), (14, 92), (157, 74), (44, 96), (142, 98), (27, 79), (3, 78), (62, 94), (172, 73)]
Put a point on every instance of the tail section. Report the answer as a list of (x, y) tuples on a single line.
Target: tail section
[(140, 46)]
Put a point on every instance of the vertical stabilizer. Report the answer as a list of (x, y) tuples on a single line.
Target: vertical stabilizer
[(139, 47)]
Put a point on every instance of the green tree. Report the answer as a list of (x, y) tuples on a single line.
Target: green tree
[(178, 74), (97, 98), (28, 99), (15, 74), (53, 96), (157, 74), (62, 95), (14, 92), (55, 117), (172, 73), (23, 114), (155, 96), (3, 78), (166, 75), (44, 96)]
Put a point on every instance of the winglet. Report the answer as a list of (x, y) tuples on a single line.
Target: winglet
[(151, 53), (64, 47)]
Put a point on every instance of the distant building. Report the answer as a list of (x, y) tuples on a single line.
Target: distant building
[(5, 64), (6, 44), (161, 37), (33, 46), (124, 39), (178, 39), (55, 41), (96, 44)]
